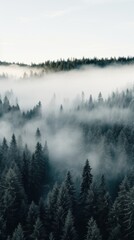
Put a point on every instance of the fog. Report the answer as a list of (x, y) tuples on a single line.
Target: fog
[(67, 86), (62, 130)]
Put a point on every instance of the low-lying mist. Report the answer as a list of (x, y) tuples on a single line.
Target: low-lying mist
[(30, 86), (75, 118)]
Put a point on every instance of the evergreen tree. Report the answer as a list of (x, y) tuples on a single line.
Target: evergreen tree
[(71, 192), (93, 232), (42, 211), (129, 218), (51, 208), (33, 215), (61, 108), (63, 206), (69, 232), (41, 162), (6, 105), (86, 181), (25, 166), (38, 135), (18, 233), (103, 208), (3, 155), (13, 150), (38, 231), (37, 173), (120, 211), (12, 199), (48, 174), (86, 198), (115, 233), (51, 236), (100, 98)]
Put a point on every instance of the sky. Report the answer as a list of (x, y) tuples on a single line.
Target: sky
[(40, 30)]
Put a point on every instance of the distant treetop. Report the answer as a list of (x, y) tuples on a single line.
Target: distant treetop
[(73, 63)]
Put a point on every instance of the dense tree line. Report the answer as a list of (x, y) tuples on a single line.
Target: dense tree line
[(38, 201), (73, 63), (28, 211), (13, 110)]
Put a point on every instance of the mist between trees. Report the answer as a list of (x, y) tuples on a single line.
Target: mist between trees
[(66, 161)]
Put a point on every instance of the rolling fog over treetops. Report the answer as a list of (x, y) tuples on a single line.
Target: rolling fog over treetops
[(51, 122), (66, 110), (65, 85), (67, 120)]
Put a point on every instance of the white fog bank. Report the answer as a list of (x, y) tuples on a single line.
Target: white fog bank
[(67, 86)]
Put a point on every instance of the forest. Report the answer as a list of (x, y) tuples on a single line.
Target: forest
[(74, 63), (83, 190)]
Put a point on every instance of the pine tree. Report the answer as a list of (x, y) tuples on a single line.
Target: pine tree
[(86, 198), (69, 232), (61, 108), (38, 230), (129, 218), (61, 211), (86, 181), (115, 233), (37, 174), (90, 103), (18, 233), (93, 232), (100, 98), (88, 208), (42, 211), (13, 150), (12, 199), (120, 210), (38, 135), (33, 215), (48, 174), (103, 208), (25, 165), (3, 155), (51, 236), (6, 105), (51, 208), (71, 192), (40, 159)]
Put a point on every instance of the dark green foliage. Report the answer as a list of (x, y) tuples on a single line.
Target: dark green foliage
[(2, 228), (33, 215), (18, 233), (3, 155), (38, 231), (103, 208), (51, 208), (69, 232), (65, 65), (12, 198), (86, 198), (122, 213), (33, 207), (38, 168), (71, 192), (93, 232), (63, 206), (86, 181)]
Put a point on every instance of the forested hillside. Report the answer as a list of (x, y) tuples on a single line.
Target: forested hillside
[(47, 193), (70, 64)]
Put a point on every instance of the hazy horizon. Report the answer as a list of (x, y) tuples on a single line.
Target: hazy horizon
[(35, 31)]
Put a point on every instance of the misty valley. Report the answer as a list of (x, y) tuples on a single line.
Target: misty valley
[(67, 153)]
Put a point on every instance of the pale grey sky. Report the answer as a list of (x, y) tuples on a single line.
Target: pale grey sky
[(38, 30)]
